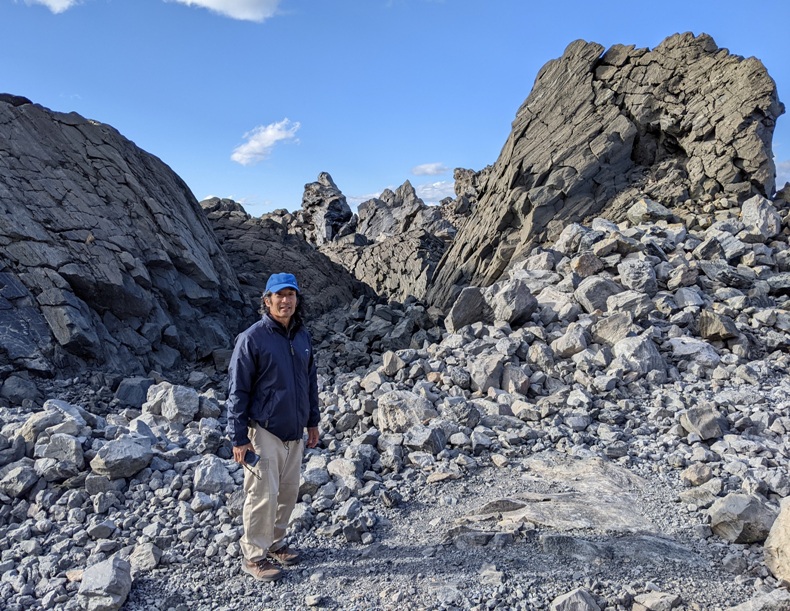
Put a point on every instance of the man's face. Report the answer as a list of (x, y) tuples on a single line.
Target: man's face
[(282, 305)]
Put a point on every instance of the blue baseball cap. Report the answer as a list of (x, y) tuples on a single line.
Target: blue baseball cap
[(278, 282)]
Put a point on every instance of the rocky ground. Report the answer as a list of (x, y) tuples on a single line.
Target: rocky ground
[(416, 563), (605, 430)]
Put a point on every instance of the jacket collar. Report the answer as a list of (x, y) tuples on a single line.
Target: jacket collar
[(273, 325)]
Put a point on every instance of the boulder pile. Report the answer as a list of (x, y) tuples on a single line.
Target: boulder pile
[(566, 388), (630, 406)]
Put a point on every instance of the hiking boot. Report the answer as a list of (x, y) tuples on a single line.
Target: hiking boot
[(285, 556), (263, 570)]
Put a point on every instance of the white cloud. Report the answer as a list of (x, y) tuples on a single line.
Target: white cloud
[(433, 193), (782, 173), (430, 169), (56, 6), (245, 10), (261, 141)]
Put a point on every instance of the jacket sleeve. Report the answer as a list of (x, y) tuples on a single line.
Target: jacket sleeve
[(241, 374), (312, 377)]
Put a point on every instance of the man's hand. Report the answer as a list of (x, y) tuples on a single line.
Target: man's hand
[(240, 451), (312, 436)]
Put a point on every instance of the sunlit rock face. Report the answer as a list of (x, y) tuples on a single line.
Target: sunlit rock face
[(602, 128)]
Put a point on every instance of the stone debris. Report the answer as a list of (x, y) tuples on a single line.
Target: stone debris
[(582, 420), (597, 418)]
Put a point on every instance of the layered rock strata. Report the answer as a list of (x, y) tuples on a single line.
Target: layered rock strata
[(599, 129), (107, 259)]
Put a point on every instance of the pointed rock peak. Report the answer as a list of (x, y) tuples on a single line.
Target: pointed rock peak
[(326, 180)]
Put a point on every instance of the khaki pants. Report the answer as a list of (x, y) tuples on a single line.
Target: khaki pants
[(270, 500)]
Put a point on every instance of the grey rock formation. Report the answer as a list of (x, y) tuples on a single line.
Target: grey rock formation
[(776, 600), (106, 259), (605, 426), (392, 244), (122, 457), (396, 267), (684, 120), (395, 212), (576, 600), (106, 585), (741, 518), (566, 430), (325, 215)]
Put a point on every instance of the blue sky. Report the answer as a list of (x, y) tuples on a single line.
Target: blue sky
[(252, 99)]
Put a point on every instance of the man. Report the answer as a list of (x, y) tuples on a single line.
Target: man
[(272, 398)]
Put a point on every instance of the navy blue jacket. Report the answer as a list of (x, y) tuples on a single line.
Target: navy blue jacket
[(272, 382)]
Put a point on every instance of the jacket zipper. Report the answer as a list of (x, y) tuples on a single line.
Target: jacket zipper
[(296, 384)]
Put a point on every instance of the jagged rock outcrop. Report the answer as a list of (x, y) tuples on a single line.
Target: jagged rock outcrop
[(396, 212), (398, 242), (684, 120), (325, 215), (394, 241), (258, 247), (467, 193), (107, 260)]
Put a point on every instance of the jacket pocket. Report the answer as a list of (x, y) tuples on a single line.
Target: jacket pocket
[(262, 406)]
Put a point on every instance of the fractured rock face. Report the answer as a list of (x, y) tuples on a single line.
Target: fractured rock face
[(684, 120), (106, 256), (325, 212), (259, 247), (396, 212), (392, 244), (397, 266)]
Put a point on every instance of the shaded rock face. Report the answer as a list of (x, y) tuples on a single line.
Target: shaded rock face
[(259, 247), (396, 267), (106, 256), (685, 120)]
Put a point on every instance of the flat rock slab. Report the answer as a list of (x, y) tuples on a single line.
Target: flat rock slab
[(595, 494)]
